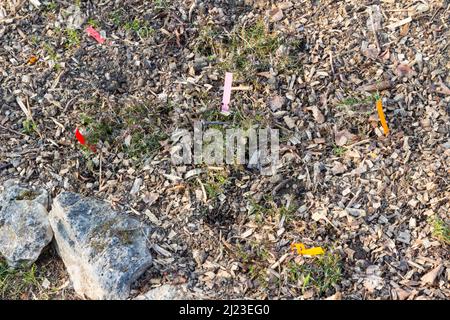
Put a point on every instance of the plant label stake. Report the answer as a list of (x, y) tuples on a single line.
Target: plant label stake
[(300, 247), (227, 93), (382, 117)]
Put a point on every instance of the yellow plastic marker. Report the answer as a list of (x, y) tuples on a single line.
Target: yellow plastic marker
[(313, 251), (300, 247), (382, 117)]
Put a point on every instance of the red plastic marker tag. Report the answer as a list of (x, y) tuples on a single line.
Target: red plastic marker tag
[(94, 34), (80, 137), (82, 140)]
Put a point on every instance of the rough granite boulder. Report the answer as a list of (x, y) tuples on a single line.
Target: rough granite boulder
[(104, 251), (24, 226)]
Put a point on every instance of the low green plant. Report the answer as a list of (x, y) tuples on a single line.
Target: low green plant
[(440, 229), (117, 17), (338, 151), (73, 38), (144, 144), (141, 28), (215, 184), (161, 5), (51, 6), (14, 283), (94, 23), (29, 126), (320, 273)]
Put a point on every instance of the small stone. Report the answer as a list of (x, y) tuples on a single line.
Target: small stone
[(404, 236), (168, 292), (46, 283), (382, 219), (26, 78), (356, 212), (136, 186), (422, 7)]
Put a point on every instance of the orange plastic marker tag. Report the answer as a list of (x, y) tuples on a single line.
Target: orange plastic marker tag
[(382, 117), (32, 60)]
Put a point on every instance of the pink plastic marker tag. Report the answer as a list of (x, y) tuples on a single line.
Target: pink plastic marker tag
[(227, 92), (94, 34)]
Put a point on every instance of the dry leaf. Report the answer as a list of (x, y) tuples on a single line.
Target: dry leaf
[(318, 116), (276, 15), (404, 70), (431, 276), (342, 137), (404, 29), (379, 86)]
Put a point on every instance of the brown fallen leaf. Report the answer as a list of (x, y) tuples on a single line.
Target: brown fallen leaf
[(276, 102), (385, 55), (338, 168), (342, 137), (431, 276), (402, 294), (371, 52), (336, 296), (404, 70), (443, 89), (379, 86), (276, 15), (404, 29), (318, 116)]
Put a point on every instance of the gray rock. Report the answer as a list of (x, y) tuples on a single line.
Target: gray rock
[(104, 251), (356, 212), (136, 186), (169, 292), (404, 236), (24, 226)]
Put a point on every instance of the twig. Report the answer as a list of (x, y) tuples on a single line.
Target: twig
[(353, 199), (13, 131), (205, 197), (373, 30), (331, 62), (100, 182), (242, 88), (397, 24), (191, 9)]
